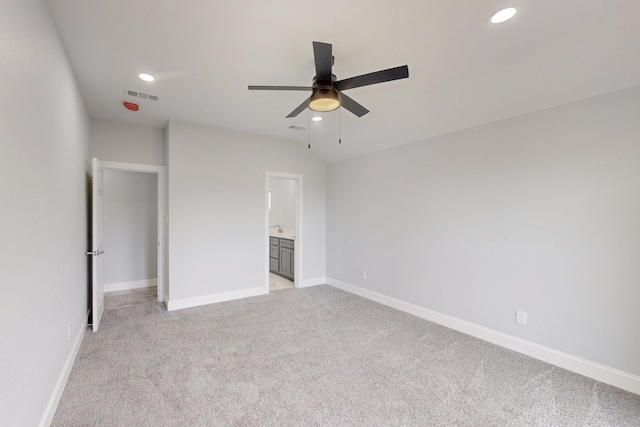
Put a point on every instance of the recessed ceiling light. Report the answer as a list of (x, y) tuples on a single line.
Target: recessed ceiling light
[(316, 118), (503, 15), (146, 77)]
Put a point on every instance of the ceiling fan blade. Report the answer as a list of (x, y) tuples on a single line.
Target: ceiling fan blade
[(352, 105), (280, 88), (373, 78), (324, 60), (299, 109)]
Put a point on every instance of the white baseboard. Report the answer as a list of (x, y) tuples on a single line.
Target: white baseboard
[(124, 286), (210, 299), (614, 377), (313, 282), (52, 405)]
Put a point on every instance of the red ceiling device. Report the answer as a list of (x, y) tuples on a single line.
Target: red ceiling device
[(131, 106)]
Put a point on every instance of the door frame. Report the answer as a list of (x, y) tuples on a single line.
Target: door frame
[(160, 171), (298, 257)]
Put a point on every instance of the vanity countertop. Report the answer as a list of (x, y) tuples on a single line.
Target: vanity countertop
[(283, 236)]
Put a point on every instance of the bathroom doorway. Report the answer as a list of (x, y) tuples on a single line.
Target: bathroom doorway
[(283, 219)]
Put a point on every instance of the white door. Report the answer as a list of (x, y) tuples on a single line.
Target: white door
[(97, 304)]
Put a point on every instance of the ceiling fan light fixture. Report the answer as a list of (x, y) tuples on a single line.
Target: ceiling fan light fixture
[(324, 99)]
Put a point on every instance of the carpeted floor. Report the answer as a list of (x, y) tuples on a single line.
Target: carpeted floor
[(317, 357)]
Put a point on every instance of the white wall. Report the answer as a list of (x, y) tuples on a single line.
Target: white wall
[(43, 210), (539, 213), (217, 202), (283, 202), (125, 142), (130, 226)]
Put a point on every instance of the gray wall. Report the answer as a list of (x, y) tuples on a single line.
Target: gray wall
[(216, 204), (539, 213), (130, 226), (126, 142), (283, 202), (43, 210)]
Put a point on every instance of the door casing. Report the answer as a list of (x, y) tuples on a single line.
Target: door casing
[(160, 171)]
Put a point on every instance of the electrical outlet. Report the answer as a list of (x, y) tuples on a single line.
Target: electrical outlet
[(69, 332), (521, 318), (364, 276)]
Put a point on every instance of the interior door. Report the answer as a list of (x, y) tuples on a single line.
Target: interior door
[(97, 300)]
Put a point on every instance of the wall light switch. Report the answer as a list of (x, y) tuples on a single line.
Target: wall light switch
[(521, 318), (364, 276)]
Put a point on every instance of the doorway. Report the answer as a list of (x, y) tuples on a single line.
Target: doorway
[(283, 230), (130, 216), (100, 255)]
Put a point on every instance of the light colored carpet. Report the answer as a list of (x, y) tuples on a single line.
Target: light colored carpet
[(317, 357)]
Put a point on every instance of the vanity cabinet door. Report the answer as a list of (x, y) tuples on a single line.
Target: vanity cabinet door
[(292, 261), (286, 262), (274, 252), (274, 266)]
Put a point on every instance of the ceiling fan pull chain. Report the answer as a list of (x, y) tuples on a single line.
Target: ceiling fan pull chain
[(340, 126), (309, 127)]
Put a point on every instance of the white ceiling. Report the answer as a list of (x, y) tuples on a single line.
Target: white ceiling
[(463, 70)]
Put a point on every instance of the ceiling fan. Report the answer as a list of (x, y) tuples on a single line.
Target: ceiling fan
[(326, 90)]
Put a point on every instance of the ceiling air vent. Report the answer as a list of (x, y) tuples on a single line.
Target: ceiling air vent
[(142, 95), (297, 127)]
